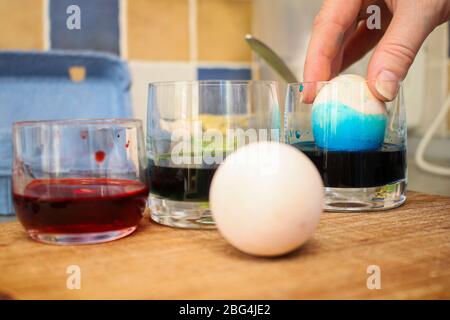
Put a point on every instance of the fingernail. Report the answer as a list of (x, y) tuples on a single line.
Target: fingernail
[(387, 85)]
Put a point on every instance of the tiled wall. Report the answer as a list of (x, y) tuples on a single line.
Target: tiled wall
[(162, 39), (21, 24)]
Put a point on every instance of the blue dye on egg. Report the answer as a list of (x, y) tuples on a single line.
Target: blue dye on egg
[(338, 127)]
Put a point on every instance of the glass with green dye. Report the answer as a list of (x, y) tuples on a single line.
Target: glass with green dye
[(192, 127)]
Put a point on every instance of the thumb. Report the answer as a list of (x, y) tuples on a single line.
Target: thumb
[(395, 53)]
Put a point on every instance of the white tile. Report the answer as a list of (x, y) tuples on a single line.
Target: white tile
[(142, 73), (419, 180), (436, 82)]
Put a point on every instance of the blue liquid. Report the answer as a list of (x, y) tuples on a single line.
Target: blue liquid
[(358, 169), (338, 127)]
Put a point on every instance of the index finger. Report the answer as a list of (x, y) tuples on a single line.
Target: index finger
[(330, 25)]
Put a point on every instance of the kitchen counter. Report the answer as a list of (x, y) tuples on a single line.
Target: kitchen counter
[(410, 245)]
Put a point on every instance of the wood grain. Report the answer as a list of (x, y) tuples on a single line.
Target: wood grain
[(411, 245)]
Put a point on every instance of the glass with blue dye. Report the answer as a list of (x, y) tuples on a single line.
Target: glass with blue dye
[(357, 142)]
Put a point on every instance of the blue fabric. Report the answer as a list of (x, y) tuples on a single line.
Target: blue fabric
[(37, 86), (99, 25)]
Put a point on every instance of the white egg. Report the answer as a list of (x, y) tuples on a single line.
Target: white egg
[(346, 116), (351, 90), (266, 198)]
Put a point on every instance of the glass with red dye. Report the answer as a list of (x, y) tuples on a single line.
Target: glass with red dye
[(75, 182)]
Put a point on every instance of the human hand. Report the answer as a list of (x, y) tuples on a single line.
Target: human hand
[(340, 37)]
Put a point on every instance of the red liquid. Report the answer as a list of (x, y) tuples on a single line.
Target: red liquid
[(80, 205)]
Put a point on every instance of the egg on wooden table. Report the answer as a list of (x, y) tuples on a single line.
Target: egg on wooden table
[(346, 116), (266, 198)]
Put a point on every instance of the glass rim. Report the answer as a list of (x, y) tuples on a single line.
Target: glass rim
[(212, 82), (290, 84), (78, 121)]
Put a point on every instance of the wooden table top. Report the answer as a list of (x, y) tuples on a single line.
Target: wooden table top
[(411, 246)]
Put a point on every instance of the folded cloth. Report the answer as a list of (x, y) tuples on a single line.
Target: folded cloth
[(56, 85)]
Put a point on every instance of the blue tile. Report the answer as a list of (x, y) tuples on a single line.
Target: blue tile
[(224, 74), (99, 25)]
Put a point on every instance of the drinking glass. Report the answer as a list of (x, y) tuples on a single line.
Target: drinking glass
[(192, 127), (79, 181), (359, 152)]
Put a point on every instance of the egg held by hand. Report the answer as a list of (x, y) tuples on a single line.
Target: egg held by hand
[(346, 116), (266, 198)]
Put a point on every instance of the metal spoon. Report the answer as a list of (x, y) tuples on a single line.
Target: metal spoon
[(272, 59)]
